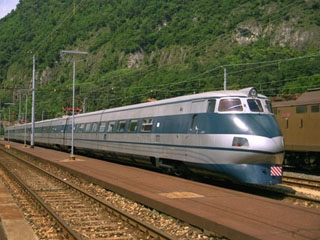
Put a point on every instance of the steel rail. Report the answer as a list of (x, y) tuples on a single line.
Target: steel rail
[(68, 232), (301, 182), (142, 226)]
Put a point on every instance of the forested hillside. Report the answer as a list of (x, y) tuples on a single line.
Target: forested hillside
[(140, 49)]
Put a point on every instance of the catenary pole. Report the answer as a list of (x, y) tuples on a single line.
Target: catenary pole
[(19, 115), (0, 117), (72, 157), (25, 121), (33, 101), (73, 98), (225, 79)]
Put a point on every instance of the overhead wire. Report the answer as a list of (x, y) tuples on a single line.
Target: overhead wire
[(50, 35)]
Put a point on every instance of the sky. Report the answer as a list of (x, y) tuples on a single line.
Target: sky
[(6, 6)]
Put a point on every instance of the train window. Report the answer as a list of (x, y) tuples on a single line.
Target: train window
[(80, 128), (61, 128), (255, 105), (133, 125), (147, 125), (121, 126), (301, 109), (231, 104), (315, 108), (102, 127), (211, 105), (111, 127), (68, 128), (88, 128), (94, 127), (269, 106)]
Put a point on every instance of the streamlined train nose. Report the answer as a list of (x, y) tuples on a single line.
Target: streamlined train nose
[(277, 144), (275, 148)]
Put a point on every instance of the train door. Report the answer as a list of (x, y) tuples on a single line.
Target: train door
[(192, 138), (60, 134), (102, 132), (67, 132), (64, 132), (91, 134)]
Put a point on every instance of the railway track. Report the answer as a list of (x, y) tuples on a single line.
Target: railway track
[(302, 182), (67, 212), (302, 188)]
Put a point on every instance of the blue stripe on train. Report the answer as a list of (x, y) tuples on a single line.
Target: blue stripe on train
[(213, 123)]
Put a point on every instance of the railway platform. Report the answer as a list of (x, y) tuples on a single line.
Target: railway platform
[(235, 215), (12, 223)]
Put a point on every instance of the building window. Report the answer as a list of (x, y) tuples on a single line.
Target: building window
[(314, 108), (301, 109)]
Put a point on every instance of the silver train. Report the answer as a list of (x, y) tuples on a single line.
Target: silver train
[(228, 134)]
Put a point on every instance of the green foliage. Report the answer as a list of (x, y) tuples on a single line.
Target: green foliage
[(183, 44)]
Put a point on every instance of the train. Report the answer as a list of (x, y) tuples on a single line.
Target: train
[(231, 135), (299, 121)]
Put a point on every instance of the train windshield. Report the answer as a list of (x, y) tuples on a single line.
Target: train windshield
[(269, 106), (255, 105), (230, 104)]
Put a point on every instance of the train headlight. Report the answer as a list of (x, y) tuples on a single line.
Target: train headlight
[(239, 142), (253, 92)]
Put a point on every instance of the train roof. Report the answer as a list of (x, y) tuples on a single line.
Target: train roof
[(214, 94), (312, 96), (207, 95)]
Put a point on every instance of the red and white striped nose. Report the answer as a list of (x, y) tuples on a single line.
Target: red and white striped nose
[(276, 171)]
